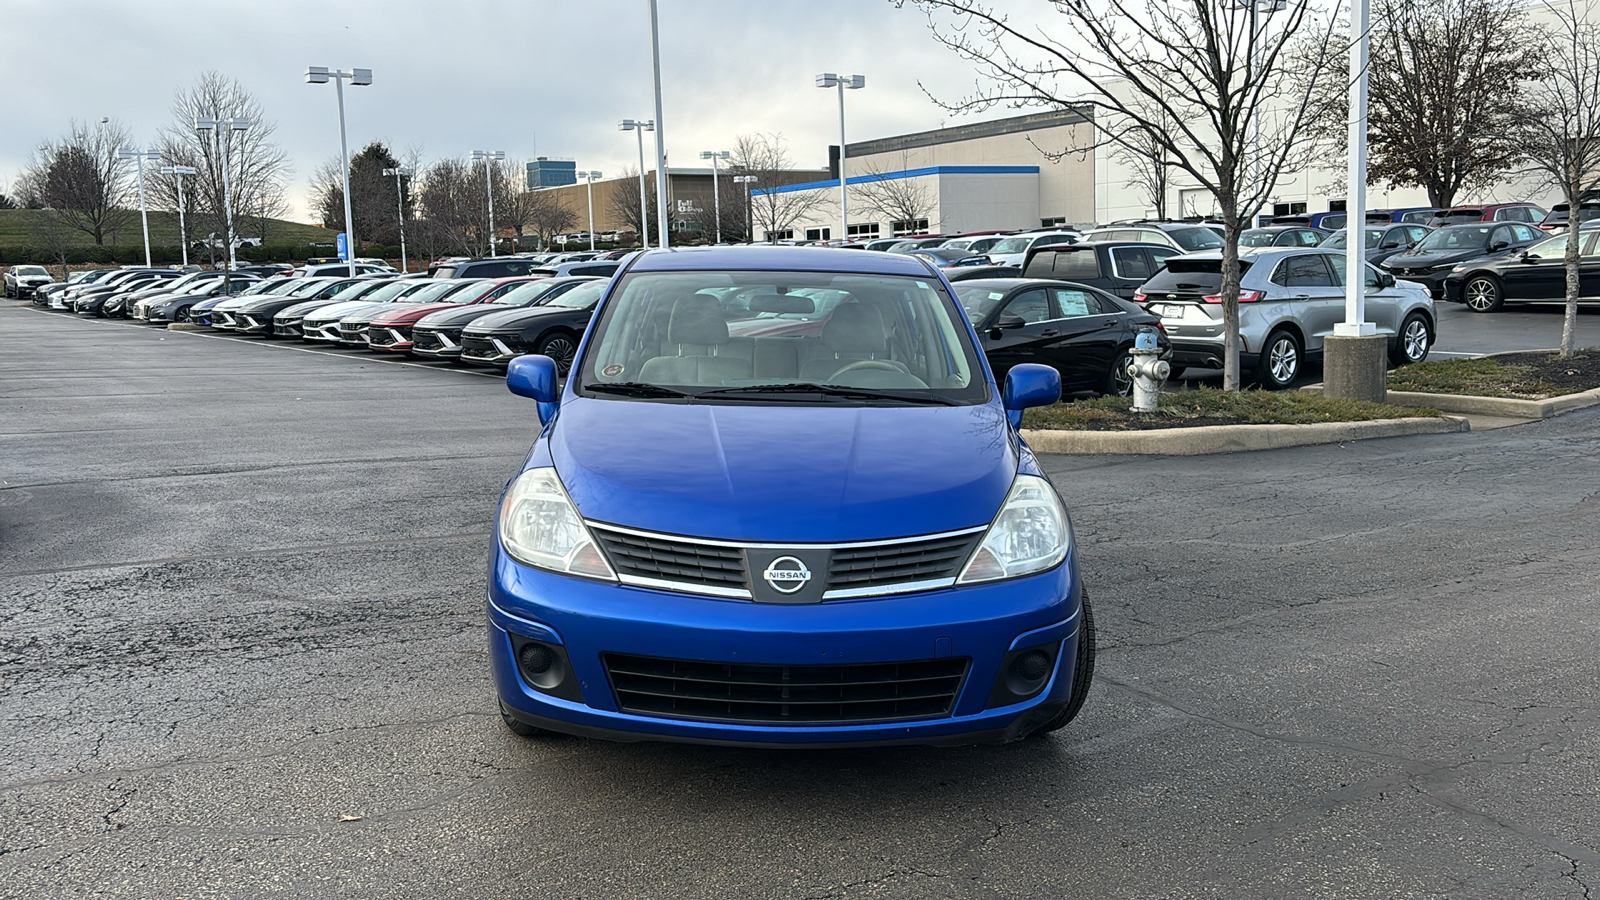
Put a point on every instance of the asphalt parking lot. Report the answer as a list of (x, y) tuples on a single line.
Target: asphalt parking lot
[(242, 655)]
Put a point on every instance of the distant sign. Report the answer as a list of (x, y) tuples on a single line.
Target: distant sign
[(343, 243)]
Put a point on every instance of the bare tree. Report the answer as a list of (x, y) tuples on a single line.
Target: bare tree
[(625, 205), (80, 177), (546, 214), (453, 208), (1560, 133), (258, 169), (1149, 168), (372, 194), (765, 157), (51, 233), (896, 199), (1444, 86), (1199, 79)]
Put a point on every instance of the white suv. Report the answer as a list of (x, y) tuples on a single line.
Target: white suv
[(1012, 250)]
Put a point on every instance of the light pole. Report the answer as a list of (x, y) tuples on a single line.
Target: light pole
[(749, 214), (142, 156), (358, 78), (400, 172), (716, 197), (489, 157), (855, 83), (223, 128), (661, 147), (589, 177), (178, 172), (640, 128)]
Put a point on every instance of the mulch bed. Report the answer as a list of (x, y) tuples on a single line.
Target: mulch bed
[(1567, 376)]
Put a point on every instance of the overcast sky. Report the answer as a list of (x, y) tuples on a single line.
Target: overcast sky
[(531, 77)]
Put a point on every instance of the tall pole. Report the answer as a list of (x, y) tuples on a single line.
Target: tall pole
[(344, 154), (661, 150), (844, 201), (400, 206), (183, 232), (488, 187), (588, 178), (716, 199), (1355, 290), (227, 193), (644, 211)]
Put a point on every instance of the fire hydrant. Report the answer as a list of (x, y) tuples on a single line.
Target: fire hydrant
[(1149, 371)]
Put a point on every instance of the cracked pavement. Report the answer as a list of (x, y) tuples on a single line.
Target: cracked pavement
[(241, 655)]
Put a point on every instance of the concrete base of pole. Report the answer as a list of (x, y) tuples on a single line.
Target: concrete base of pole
[(1356, 368)]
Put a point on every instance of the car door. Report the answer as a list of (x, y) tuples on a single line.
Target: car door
[(1383, 304), (1130, 267), (1538, 272), (1086, 339), (1589, 266), (1315, 300), (1018, 330)]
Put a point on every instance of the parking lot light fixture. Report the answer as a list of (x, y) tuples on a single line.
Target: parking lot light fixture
[(749, 213), (142, 157), (360, 78), (840, 82), (589, 177), (400, 172), (716, 196), (177, 172), (489, 158), (639, 128)]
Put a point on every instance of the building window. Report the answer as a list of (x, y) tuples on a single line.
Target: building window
[(867, 230), (786, 234), (908, 226), (818, 234), (1288, 209), (1055, 222), (1337, 206)]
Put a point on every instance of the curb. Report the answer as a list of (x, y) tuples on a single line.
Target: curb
[(186, 326), (1505, 407), (1235, 438)]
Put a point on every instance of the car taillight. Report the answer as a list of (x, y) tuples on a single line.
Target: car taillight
[(1244, 297), (1141, 299)]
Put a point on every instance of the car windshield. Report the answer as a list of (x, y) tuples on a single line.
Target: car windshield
[(1468, 238), (1257, 237), (1011, 245), (527, 294), (307, 287), (30, 270), (1196, 238), (893, 340), (1336, 240), (353, 291), (434, 292), (583, 296), (978, 300)]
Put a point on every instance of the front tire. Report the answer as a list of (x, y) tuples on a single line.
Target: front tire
[(519, 727), (1082, 674), (1412, 343), (1119, 381), (1482, 293), (560, 347), (1281, 359)]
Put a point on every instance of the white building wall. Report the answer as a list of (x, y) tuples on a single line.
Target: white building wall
[(986, 202)]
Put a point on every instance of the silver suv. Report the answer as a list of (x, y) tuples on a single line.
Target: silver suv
[(1289, 300)]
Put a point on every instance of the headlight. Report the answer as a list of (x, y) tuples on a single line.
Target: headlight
[(539, 526), (1460, 268), (1031, 534)]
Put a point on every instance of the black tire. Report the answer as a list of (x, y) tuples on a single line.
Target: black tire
[(181, 314), (1411, 345), (1483, 294), (1282, 358), (1082, 675), (1118, 381), (559, 346), (519, 727)]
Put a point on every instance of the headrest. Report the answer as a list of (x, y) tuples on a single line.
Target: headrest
[(697, 319), (855, 328), (781, 303)]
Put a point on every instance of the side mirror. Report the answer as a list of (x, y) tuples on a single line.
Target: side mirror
[(1385, 280), (1010, 320), (1029, 385), (534, 377), (1497, 246)]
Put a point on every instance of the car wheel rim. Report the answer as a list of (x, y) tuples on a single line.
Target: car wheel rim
[(1480, 294), (560, 350), (1121, 377), (1283, 361), (1416, 338)]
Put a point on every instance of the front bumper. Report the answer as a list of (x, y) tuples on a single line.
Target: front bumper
[(1433, 280), (589, 619), (389, 338), (253, 324), (436, 344), (490, 349)]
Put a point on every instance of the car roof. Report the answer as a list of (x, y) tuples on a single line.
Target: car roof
[(798, 259), (1009, 283)]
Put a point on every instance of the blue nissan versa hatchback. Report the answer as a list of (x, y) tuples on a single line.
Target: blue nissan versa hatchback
[(781, 502)]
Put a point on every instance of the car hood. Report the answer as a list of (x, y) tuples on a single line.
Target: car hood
[(515, 319), (461, 315), (1431, 258), (340, 310), (784, 473), (303, 308), (400, 313)]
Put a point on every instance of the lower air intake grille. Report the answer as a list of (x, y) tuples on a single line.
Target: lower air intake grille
[(785, 695)]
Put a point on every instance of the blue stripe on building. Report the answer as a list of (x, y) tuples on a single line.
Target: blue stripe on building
[(908, 173)]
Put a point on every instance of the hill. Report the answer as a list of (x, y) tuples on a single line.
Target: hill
[(17, 229)]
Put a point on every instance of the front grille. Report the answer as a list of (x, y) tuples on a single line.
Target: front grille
[(669, 559), (785, 695), (288, 329), (479, 347), (353, 332), (387, 336), (929, 560), (426, 340), (248, 322), (224, 319)]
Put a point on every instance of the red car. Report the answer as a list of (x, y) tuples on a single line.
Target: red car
[(390, 332)]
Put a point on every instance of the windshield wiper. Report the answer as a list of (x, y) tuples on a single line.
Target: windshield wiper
[(834, 390), (635, 389)]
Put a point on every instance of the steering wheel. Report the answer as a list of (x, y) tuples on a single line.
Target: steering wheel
[(884, 364)]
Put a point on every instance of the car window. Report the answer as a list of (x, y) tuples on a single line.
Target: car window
[(1593, 247), (1554, 248), (584, 296), (1525, 232), (1304, 271), (1073, 265), (1370, 273), (1195, 238), (1158, 258), (1309, 238), (1131, 262), (1031, 305), (1472, 237), (1074, 302), (1011, 245)]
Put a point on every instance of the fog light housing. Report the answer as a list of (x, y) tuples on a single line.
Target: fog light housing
[(1023, 674), (545, 668)]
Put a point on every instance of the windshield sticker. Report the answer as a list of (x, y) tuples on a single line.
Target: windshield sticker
[(611, 371)]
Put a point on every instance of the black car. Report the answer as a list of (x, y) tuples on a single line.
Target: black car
[(1537, 275), (970, 273), (552, 329), (503, 267), (1382, 241), (256, 317), (92, 301), (1281, 236), (1432, 259), (1083, 333), (1117, 267), (438, 335)]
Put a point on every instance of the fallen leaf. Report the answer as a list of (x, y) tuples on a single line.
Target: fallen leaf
[(349, 818)]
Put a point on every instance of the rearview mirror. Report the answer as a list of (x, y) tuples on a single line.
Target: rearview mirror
[(534, 376), (1029, 385)]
